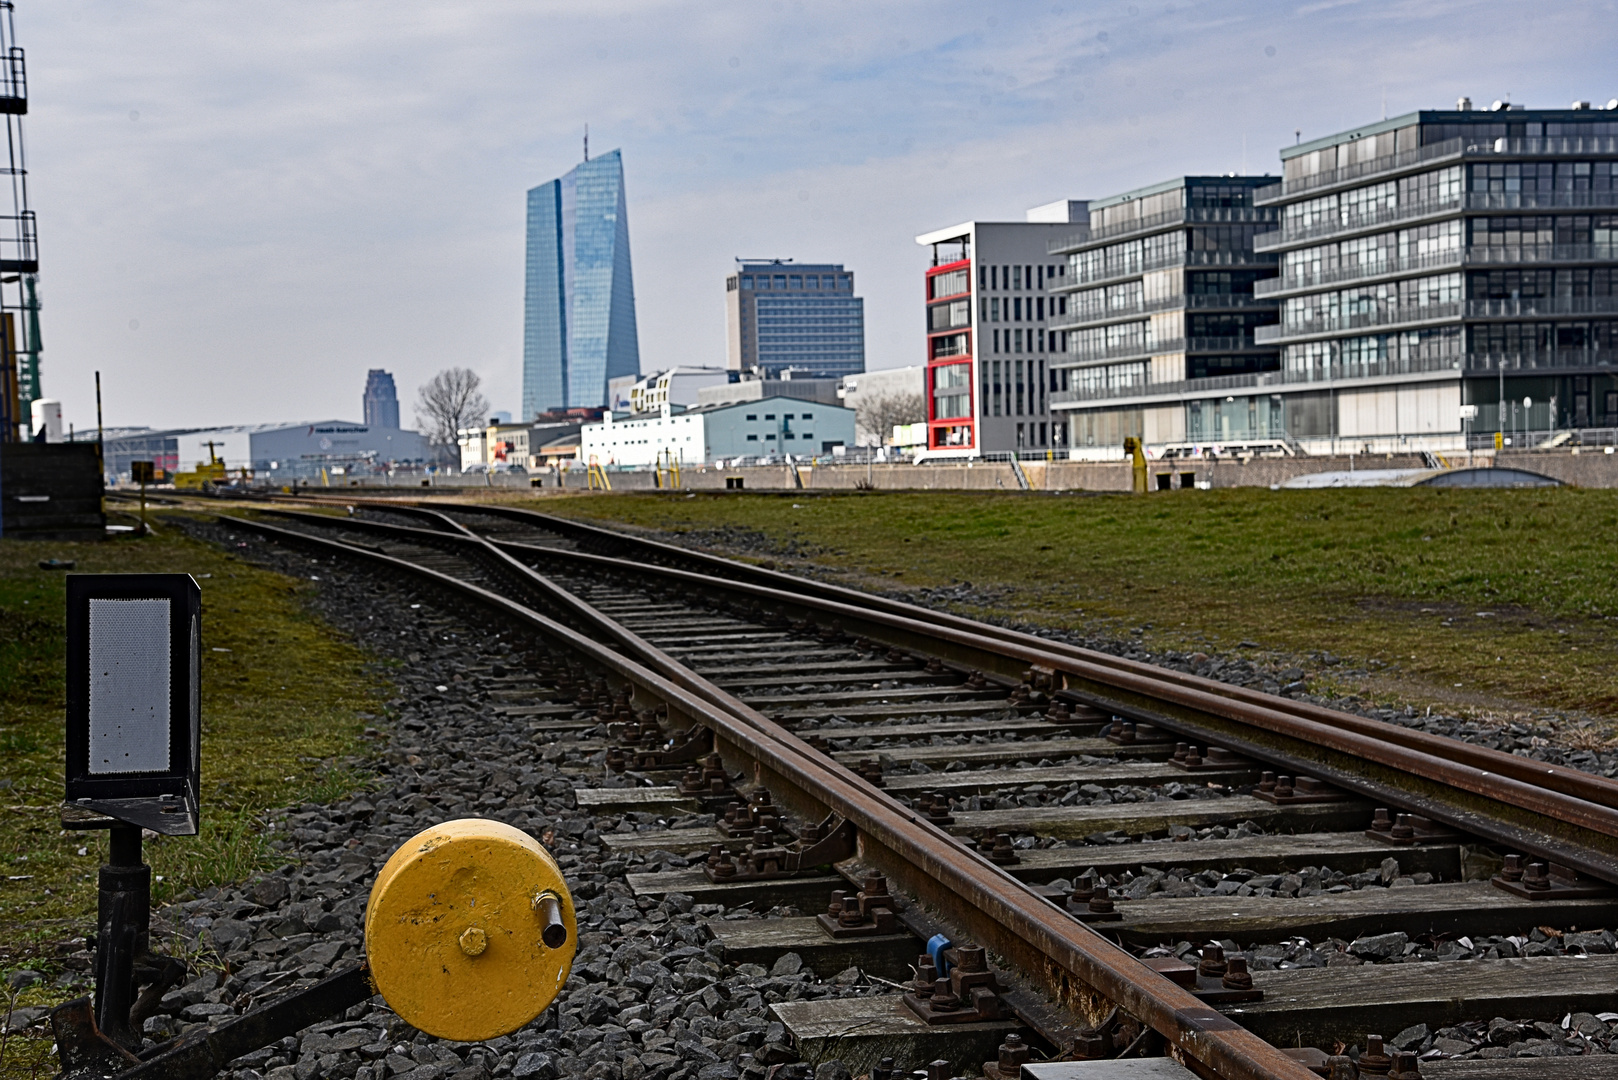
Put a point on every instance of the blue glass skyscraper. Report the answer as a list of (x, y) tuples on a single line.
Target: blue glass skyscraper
[(579, 302)]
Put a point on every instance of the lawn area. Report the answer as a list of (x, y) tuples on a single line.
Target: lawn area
[(1488, 601), (283, 696)]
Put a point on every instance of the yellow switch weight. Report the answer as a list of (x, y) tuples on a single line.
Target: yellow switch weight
[(470, 931)]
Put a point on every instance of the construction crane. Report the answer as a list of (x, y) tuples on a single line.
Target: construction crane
[(20, 345)]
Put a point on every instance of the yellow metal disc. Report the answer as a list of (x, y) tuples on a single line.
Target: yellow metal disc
[(454, 931)]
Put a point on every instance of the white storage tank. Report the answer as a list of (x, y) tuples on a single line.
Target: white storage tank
[(46, 413)]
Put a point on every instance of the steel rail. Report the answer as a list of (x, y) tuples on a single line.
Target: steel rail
[(1478, 790), (1067, 958), (1560, 778)]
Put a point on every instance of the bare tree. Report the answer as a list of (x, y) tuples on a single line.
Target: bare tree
[(876, 417), (448, 403)]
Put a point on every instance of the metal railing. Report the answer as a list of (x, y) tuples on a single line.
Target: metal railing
[(1183, 215), (19, 243), (1542, 360), (1360, 169), (1335, 371), (1186, 301), (1144, 349), (1137, 267), (1470, 201), (1459, 147), (1399, 316), (1517, 255)]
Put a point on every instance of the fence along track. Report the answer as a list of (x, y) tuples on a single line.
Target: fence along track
[(1547, 811), (1070, 963)]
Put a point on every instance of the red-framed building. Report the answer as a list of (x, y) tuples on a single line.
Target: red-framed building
[(991, 358)]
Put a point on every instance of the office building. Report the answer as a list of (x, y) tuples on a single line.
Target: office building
[(1159, 295), (989, 342), (789, 317), (772, 427), (1444, 279), (381, 400), (579, 297), (1446, 274)]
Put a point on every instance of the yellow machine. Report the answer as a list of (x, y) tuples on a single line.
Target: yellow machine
[(470, 930), (206, 476)]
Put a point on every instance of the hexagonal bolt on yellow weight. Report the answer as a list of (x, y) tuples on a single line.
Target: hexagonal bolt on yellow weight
[(470, 930)]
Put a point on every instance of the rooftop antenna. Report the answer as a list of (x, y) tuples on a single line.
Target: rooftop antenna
[(586, 142), (1298, 134)]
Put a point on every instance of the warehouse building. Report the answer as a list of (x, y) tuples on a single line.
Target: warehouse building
[(769, 427)]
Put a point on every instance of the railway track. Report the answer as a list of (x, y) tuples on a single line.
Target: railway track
[(1154, 863)]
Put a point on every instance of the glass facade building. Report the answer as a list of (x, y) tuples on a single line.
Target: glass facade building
[(1431, 282), (579, 297), (1160, 292), (381, 400), (797, 317)]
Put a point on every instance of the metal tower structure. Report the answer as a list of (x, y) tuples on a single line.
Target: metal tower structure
[(19, 246)]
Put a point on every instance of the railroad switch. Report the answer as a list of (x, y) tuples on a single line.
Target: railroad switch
[(1408, 829), (685, 747), (869, 912), (1546, 881), (1287, 791), (1192, 758), (1013, 1055), (1128, 733), (969, 992), (818, 844)]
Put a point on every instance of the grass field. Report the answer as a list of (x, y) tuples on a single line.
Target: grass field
[(282, 697), (1490, 601)]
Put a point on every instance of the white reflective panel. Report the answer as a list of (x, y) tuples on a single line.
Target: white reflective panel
[(129, 686)]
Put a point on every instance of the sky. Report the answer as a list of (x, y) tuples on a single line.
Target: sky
[(243, 207)]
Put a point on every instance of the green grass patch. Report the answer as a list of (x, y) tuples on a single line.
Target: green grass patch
[(282, 694), (1510, 593)]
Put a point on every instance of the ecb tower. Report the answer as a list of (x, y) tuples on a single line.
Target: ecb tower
[(579, 299)]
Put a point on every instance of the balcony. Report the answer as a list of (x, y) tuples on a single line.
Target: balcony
[(1416, 314), (1542, 307), (1532, 254), (1184, 215), (1548, 360), (1142, 350), (1188, 302), (1136, 267), (1455, 149), (1472, 202), (1335, 372)]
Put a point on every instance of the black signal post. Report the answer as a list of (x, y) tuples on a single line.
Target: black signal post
[(133, 763)]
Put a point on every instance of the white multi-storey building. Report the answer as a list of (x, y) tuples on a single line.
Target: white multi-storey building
[(990, 344)]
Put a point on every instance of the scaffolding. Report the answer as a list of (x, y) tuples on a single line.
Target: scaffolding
[(19, 244)]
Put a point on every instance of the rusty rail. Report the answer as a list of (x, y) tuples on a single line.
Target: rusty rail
[(1072, 963)]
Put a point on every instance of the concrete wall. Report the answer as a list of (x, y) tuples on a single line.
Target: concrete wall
[(1586, 469)]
